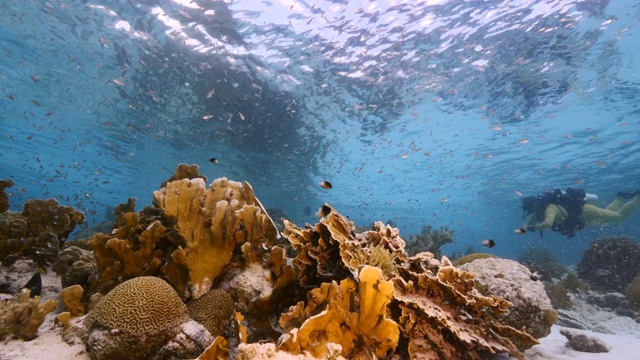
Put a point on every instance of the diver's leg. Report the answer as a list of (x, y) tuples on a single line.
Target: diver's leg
[(593, 215), (616, 204)]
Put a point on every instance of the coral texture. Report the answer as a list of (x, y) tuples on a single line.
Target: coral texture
[(610, 264), (509, 280), (23, 315), (75, 266), (38, 232), (429, 240), (4, 199), (212, 310), (442, 316), (71, 298), (143, 305), (210, 222), (471, 257), (331, 316)]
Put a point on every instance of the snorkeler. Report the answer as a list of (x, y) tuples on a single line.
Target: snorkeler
[(567, 211)]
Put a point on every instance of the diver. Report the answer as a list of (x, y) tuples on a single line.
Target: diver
[(567, 211)]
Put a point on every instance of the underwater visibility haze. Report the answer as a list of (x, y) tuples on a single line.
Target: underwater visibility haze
[(435, 112)]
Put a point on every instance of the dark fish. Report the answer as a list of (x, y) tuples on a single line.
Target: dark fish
[(34, 284), (323, 211), (488, 243), (520, 231), (325, 184), (213, 160), (307, 210)]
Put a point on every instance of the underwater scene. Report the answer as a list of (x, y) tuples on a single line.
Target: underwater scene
[(329, 179)]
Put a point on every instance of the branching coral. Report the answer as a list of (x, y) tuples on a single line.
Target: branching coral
[(332, 316), (71, 298), (210, 223), (429, 240), (23, 315)]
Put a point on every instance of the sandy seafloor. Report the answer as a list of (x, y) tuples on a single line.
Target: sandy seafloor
[(624, 343)]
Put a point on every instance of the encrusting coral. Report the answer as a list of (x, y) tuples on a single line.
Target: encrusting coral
[(332, 316), (23, 315)]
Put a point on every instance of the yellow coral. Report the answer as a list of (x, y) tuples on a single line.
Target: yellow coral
[(356, 321), (71, 297), (211, 223), (23, 315)]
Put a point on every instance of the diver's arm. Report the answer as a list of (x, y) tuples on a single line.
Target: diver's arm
[(550, 215), (530, 221)]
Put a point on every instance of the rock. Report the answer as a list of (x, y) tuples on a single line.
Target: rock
[(583, 342), (510, 280), (610, 301), (75, 266)]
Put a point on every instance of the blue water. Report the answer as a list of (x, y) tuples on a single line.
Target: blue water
[(418, 112)]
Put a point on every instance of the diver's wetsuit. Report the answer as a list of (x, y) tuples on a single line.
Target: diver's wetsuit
[(617, 211)]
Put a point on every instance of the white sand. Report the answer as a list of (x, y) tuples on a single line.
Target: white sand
[(623, 347)]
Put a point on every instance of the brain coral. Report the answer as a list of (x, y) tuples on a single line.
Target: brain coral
[(212, 310), (142, 305)]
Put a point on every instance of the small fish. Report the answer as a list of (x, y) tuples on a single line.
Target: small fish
[(213, 160), (307, 210), (323, 211), (207, 117), (535, 276), (211, 93), (325, 184), (520, 231), (488, 243)]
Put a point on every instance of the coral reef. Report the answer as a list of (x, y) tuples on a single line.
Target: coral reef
[(429, 240), (37, 232), (331, 316), (23, 315), (4, 199), (212, 310), (633, 294), (610, 264), (210, 223), (268, 351), (542, 261), (584, 343), (511, 281)]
